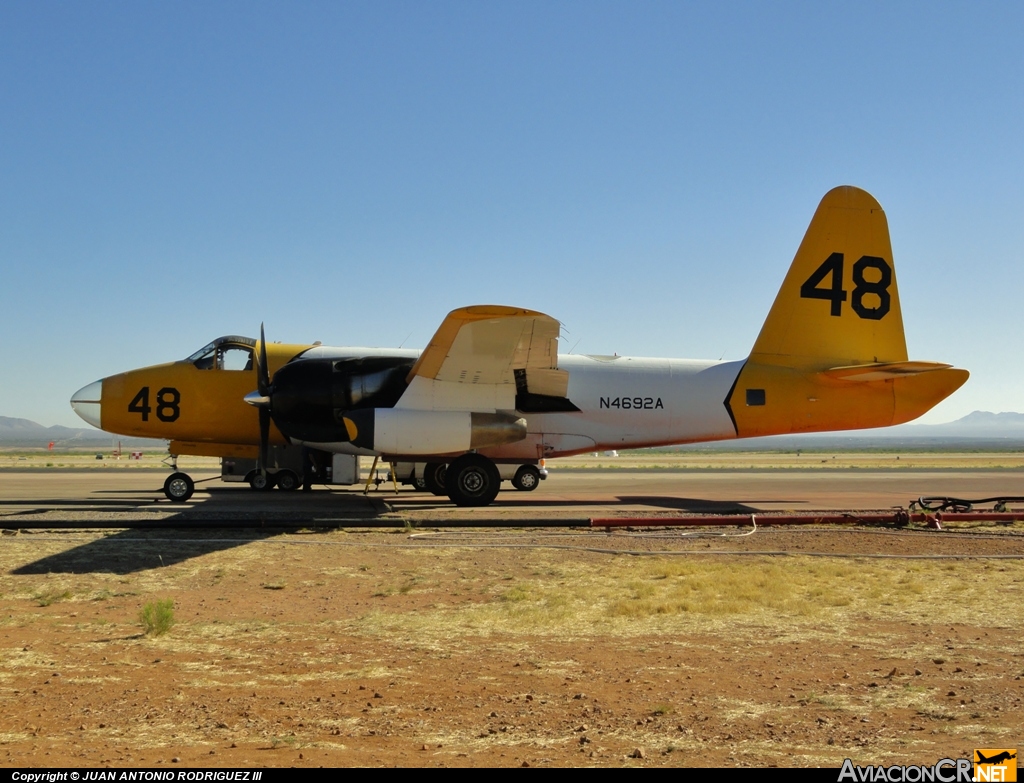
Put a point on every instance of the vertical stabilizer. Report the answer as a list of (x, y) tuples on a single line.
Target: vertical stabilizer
[(839, 304)]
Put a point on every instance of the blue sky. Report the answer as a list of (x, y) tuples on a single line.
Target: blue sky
[(350, 172)]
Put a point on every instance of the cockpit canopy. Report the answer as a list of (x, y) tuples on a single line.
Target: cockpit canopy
[(225, 353)]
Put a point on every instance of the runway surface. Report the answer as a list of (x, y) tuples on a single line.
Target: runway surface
[(45, 497)]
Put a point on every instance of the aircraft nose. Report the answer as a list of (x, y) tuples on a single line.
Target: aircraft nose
[(86, 403)]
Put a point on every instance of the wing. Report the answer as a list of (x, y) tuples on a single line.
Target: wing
[(489, 357)]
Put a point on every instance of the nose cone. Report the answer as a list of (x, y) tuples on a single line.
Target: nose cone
[(86, 403)]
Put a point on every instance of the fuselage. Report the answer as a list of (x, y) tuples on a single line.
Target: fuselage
[(622, 402)]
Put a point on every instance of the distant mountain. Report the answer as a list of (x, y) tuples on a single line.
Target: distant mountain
[(977, 430), (977, 424), (23, 432)]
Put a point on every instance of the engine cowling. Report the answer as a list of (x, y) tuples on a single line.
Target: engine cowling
[(413, 432), (312, 396), (352, 400)]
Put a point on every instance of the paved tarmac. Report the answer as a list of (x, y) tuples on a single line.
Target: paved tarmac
[(121, 498)]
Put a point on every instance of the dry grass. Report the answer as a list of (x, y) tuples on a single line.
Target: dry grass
[(640, 596), (51, 595)]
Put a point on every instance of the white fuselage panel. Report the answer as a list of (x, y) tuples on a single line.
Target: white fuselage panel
[(631, 402), (623, 401)]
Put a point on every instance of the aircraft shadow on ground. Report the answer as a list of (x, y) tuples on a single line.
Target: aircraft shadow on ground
[(414, 503), (111, 505), (131, 551), (690, 504)]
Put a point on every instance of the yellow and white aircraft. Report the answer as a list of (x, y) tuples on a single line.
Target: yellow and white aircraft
[(491, 387)]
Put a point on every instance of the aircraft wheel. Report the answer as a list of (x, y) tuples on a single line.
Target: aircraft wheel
[(472, 480), (179, 487), (526, 479), (261, 481), (433, 477), (418, 483), (287, 481)]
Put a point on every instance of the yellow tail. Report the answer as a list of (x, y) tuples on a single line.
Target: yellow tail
[(832, 353)]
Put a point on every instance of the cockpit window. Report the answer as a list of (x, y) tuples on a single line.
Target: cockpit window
[(199, 357), (225, 353), (234, 357)]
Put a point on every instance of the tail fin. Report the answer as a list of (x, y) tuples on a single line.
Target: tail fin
[(839, 305), (831, 354)]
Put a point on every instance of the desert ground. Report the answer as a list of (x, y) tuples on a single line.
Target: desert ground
[(336, 629)]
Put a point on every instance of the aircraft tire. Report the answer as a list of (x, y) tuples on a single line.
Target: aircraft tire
[(433, 478), (418, 483), (287, 481), (472, 480), (526, 479), (179, 487), (261, 482)]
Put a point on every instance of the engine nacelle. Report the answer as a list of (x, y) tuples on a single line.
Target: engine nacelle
[(412, 432)]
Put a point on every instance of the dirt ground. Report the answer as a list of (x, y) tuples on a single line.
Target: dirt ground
[(510, 647)]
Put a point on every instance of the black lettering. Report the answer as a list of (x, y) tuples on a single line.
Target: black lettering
[(879, 288), (167, 400), (632, 403), (140, 403), (833, 265)]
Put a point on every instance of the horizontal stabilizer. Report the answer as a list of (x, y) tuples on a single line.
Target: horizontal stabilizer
[(882, 371)]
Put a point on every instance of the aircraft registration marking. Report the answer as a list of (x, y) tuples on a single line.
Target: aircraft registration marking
[(632, 403)]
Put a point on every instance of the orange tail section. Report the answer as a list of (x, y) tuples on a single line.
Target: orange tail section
[(832, 353)]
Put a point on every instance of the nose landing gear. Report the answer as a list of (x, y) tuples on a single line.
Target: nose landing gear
[(179, 487)]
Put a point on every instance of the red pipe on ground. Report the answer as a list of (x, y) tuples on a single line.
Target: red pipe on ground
[(899, 517)]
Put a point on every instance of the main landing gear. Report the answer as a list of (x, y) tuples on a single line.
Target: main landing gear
[(473, 480), (433, 478), (284, 480)]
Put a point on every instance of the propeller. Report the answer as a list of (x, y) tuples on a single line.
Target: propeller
[(261, 399)]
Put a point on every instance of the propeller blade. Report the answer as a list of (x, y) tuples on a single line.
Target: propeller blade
[(263, 369), (264, 439)]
